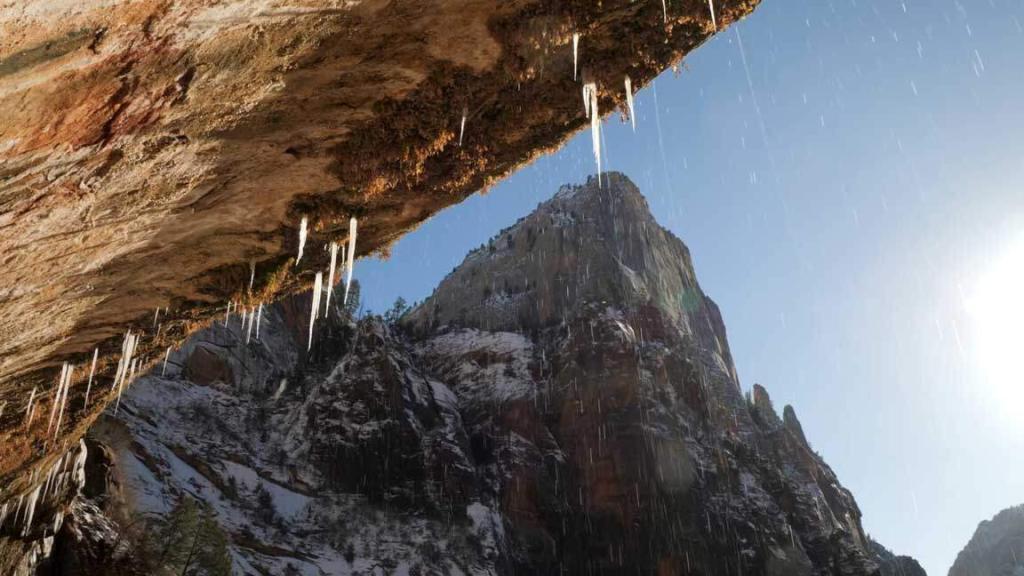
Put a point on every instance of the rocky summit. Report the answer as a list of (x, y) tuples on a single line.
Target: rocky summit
[(565, 402)]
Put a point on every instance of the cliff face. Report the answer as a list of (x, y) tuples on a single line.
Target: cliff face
[(996, 548), (565, 402), (152, 151)]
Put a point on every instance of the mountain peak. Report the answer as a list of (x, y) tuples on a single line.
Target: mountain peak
[(589, 246)]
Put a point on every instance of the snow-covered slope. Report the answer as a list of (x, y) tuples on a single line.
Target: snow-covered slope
[(564, 403)]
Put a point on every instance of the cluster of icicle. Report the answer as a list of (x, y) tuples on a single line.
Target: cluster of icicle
[(319, 287), (126, 366), (66, 473), (590, 105), (590, 91)]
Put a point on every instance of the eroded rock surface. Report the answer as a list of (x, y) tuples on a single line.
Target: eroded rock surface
[(564, 403), (151, 151)]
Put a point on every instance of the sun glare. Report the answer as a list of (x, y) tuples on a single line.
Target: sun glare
[(996, 308)]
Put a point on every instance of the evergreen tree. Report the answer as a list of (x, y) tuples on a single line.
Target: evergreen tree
[(352, 306), (190, 543), (398, 309)]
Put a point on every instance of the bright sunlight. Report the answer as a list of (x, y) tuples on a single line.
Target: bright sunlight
[(996, 309)]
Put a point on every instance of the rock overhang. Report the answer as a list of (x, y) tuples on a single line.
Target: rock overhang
[(153, 151)]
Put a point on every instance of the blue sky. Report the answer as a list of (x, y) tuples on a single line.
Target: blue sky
[(843, 181)]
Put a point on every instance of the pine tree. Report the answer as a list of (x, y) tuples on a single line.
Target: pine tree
[(191, 543)]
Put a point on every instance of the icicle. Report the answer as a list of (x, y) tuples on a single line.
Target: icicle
[(63, 401), (575, 53), (245, 313), (587, 89), (30, 511), (351, 254), (56, 397), (664, 11), (595, 125), (711, 6), (629, 102), (317, 287), (259, 316), (167, 355), (156, 316), (227, 313), (302, 238), (28, 407), (92, 372), (78, 470), (330, 277), (2, 406), (252, 273), (248, 332), (462, 126), (124, 366)]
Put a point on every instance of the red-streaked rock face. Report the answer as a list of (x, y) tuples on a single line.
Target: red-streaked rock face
[(151, 150)]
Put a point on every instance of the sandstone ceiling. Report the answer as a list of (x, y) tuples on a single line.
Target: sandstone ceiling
[(151, 151)]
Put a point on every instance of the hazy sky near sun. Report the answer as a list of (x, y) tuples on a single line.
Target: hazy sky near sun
[(846, 174)]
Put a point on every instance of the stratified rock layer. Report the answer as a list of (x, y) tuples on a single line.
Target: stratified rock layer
[(564, 403), (151, 151)]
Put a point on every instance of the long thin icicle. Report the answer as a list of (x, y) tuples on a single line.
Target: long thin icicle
[(126, 367), (63, 401), (167, 355), (302, 238), (56, 397), (28, 407), (330, 277), (590, 90), (248, 331), (711, 6), (629, 102), (252, 273), (259, 316), (664, 11), (575, 53), (351, 255), (92, 372), (462, 126), (317, 288)]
